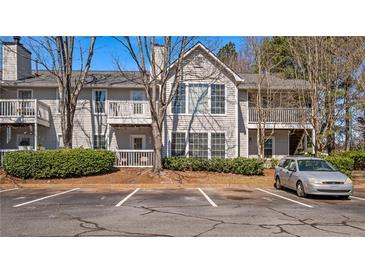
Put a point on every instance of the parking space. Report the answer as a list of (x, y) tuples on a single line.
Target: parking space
[(178, 212)]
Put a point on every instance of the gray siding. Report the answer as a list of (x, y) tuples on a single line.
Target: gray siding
[(207, 73)]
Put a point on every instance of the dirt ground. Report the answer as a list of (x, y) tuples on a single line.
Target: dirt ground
[(131, 177), (138, 177)]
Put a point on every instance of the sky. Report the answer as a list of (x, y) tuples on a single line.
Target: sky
[(107, 50)]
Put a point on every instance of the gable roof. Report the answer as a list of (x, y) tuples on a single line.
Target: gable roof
[(199, 45)]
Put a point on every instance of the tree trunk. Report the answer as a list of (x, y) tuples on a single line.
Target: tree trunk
[(347, 122), (260, 144), (157, 147)]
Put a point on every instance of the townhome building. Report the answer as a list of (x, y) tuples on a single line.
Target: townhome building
[(214, 113)]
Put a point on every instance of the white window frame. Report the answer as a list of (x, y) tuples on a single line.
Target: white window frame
[(273, 146), (132, 92), (187, 84), (106, 102), (99, 134), (24, 89), (187, 141), (59, 137), (31, 138), (143, 136), (225, 143)]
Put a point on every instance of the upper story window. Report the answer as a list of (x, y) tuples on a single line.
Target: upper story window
[(217, 99), (199, 99), (99, 101), (179, 100)]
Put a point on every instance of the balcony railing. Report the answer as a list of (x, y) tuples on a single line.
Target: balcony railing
[(129, 109), (279, 115), (18, 108), (134, 158)]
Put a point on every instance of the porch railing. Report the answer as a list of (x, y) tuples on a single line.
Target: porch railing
[(279, 115), (134, 158), (2, 154), (120, 109), (27, 108)]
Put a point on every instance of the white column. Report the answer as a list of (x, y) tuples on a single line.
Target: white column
[(313, 141), (35, 136), (108, 136)]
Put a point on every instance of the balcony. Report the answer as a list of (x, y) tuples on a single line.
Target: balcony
[(129, 112), (134, 158), (279, 117), (15, 111)]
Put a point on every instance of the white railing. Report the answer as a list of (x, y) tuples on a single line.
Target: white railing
[(278, 115), (134, 158), (27, 108), (2, 154), (120, 109)]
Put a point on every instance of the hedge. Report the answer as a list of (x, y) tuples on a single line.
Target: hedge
[(239, 165), (346, 162), (60, 163)]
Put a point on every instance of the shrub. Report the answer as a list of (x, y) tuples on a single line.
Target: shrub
[(60, 163), (343, 164), (239, 165)]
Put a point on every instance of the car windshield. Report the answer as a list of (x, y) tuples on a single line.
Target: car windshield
[(315, 165)]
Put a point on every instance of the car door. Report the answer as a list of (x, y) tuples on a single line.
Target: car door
[(284, 172), (293, 175)]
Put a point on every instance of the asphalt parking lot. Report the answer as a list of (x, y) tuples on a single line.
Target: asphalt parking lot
[(178, 212)]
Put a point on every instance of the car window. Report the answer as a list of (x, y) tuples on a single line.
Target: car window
[(286, 163), (315, 165), (292, 165), (281, 163)]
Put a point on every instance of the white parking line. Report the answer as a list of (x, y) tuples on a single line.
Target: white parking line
[(284, 198), (40, 199), (8, 189), (358, 198), (126, 198), (207, 197)]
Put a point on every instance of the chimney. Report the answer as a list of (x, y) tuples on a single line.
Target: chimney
[(17, 62), (159, 51)]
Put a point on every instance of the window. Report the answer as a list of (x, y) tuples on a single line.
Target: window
[(60, 141), (25, 94), (218, 100), (179, 101), (178, 144), (138, 141), (198, 98), (25, 140), (198, 145), (99, 141), (268, 148), (218, 147), (99, 101)]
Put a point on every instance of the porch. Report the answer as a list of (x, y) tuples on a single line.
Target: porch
[(24, 111)]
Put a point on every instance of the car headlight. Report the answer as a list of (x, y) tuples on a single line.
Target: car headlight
[(348, 181), (313, 180)]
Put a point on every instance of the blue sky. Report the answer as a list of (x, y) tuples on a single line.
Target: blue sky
[(107, 50)]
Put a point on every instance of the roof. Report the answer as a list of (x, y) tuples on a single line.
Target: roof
[(251, 80), (94, 79)]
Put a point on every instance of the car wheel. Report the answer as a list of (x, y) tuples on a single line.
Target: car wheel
[(277, 183), (300, 190)]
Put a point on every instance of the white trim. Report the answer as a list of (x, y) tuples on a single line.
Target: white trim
[(209, 132), (282, 197), (59, 136), (237, 152), (132, 136), (24, 89), (93, 102), (209, 95)]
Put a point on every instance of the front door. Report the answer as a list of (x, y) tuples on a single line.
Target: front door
[(138, 142)]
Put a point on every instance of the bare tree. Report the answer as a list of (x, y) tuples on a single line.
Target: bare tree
[(164, 60), (57, 56)]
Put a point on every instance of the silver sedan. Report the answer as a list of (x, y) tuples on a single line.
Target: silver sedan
[(311, 176)]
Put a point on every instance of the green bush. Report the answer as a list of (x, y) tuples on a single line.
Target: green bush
[(239, 165), (343, 164), (60, 163)]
